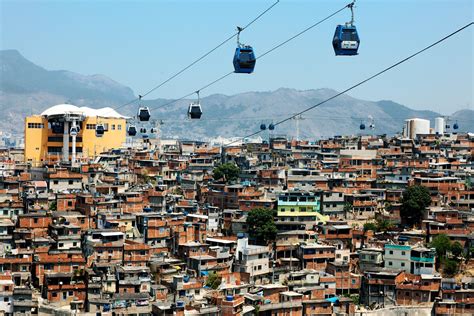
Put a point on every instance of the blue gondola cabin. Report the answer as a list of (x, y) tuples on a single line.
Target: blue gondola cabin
[(244, 60), (346, 40)]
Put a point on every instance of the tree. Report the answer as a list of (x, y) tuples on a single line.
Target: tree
[(414, 202), (450, 267), (261, 225), (227, 171), (370, 226), (457, 249), (213, 281), (347, 207), (53, 206), (468, 183), (384, 225), (442, 244)]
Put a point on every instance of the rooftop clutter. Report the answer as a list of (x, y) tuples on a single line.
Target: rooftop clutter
[(340, 225)]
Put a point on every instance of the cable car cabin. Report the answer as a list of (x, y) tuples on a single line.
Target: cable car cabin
[(455, 126), (362, 126), (263, 127), (153, 130), (346, 40), (244, 60), (144, 114), (271, 127), (194, 111), (143, 130), (99, 130), (74, 130), (132, 130)]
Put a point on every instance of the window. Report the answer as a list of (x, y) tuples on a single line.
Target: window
[(390, 263), (61, 244), (90, 126), (113, 127), (70, 181), (403, 253), (74, 244), (55, 294), (71, 293), (391, 252), (55, 182), (35, 125), (5, 299), (119, 127), (35, 220), (402, 264)]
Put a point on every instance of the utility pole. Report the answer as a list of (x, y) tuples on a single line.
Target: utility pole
[(298, 118)]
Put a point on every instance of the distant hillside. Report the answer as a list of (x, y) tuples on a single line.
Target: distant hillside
[(26, 88), (248, 110)]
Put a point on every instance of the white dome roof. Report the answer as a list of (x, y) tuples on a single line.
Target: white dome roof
[(86, 111)]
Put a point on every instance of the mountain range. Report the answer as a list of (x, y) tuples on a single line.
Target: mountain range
[(26, 88)]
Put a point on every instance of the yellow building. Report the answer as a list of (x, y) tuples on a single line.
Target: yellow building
[(68, 133)]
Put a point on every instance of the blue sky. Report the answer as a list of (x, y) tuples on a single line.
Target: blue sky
[(141, 43)]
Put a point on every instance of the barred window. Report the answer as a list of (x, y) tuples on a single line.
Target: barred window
[(90, 126)]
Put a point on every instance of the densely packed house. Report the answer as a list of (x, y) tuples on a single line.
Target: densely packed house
[(165, 228)]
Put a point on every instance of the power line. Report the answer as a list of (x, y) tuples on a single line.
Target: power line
[(202, 57), (365, 80), (260, 56), (191, 93)]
